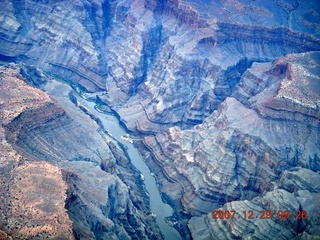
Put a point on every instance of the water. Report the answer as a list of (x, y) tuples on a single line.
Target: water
[(162, 210)]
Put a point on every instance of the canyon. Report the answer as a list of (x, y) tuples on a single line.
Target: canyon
[(64, 177), (220, 98)]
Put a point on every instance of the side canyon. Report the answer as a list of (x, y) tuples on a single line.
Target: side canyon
[(220, 98)]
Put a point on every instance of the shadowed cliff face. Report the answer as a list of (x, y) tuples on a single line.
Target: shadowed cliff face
[(225, 95), (61, 178), (175, 63), (268, 129)]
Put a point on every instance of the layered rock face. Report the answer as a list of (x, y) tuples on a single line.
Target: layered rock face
[(253, 148), (225, 95), (291, 196), (196, 66), (60, 178), (166, 62), (28, 209)]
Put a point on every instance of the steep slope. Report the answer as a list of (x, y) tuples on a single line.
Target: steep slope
[(169, 63), (246, 149), (224, 93), (67, 175), (295, 194), (195, 68), (28, 209)]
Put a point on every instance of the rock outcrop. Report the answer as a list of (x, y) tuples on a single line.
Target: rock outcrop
[(165, 61), (28, 208), (224, 94), (246, 150), (59, 177), (294, 194)]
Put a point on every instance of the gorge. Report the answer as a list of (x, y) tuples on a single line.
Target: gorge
[(220, 98)]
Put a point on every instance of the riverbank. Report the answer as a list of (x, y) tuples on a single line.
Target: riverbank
[(158, 207)]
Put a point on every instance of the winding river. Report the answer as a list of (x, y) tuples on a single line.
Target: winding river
[(158, 207), (162, 210)]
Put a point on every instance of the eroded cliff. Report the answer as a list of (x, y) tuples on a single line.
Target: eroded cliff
[(28, 209), (224, 93), (246, 148), (62, 177)]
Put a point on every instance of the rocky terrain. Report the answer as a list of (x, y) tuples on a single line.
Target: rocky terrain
[(224, 96), (28, 210), (247, 148), (61, 176)]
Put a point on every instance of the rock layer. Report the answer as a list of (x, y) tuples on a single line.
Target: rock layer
[(224, 93), (246, 150), (77, 187), (291, 195), (28, 209), (167, 62)]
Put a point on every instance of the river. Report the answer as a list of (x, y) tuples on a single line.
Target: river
[(112, 125), (162, 210)]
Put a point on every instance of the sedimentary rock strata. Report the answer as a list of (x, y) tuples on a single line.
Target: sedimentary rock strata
[(291, 196), (45, 190), (224, 96), (28, 209), (155, 54), (247, 150)]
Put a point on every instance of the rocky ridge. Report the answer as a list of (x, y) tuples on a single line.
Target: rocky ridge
[(40, 134), (245, 150), (225, 107), (40, 216), (291, 195), (187, 80)]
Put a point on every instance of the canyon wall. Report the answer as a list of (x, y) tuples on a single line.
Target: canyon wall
[(62, 176), (224, 96), (246, 148)]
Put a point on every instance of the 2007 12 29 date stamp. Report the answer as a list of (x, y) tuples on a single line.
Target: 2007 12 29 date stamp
[(262, 214)]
